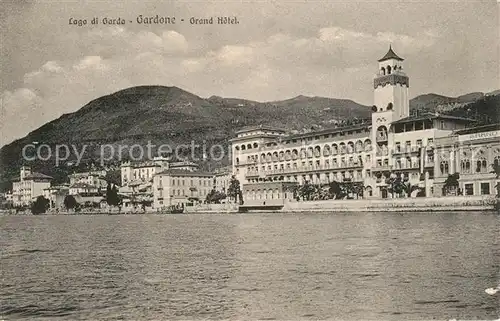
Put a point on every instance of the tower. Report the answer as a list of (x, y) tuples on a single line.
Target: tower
[(391, 103), (391, 86)]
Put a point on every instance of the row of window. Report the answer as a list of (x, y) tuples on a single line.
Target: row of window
[(318, 177), (182, 182), (468, 167), (182, 192), (303, 140)]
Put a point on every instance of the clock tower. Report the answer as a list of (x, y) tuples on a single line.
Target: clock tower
[(391, 86)]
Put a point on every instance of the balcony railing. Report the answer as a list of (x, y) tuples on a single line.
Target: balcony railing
[(382, 168), (381, 138), (301, 169), (408, 166)]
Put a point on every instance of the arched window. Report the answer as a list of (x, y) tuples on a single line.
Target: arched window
[(255, 145), (327, 151), (303, 153), (237, 148), (444, 167), (335, 149), (465, 166), (382, 70), (381, 133), (249, 146), (481, 166), (389, 106), (388, 70), (243, 147), (269, 158), (496, 161), (368, 145), (262, 158), (342, 148), (310, 152), (275, 156), (350, 147), (237, 161), (359, 146), (317, 151), (295, 154)]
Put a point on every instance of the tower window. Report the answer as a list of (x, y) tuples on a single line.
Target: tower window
[(382, 71), (388, 70)]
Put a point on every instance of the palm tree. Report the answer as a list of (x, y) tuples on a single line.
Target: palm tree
[(451, 184)]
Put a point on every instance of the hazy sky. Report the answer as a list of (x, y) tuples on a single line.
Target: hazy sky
[(279, 50)]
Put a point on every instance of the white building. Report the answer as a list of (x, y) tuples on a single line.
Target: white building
[(392, 142), (29, 186)]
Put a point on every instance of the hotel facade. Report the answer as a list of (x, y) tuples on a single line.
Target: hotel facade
[(392, 142)]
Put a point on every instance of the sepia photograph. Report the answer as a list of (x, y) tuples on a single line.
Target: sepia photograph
[(250, 160)]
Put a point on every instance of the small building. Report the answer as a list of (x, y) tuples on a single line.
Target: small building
[(94, 178), (29, 186), (181, 187), (472, 153), (83, 188)]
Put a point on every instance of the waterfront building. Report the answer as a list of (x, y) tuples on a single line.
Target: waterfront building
[(81, 188), (222, 178), (181, 187), (94, 179), (144, 171), (393, 142), (473, 153), (28, 186), (55, 194)]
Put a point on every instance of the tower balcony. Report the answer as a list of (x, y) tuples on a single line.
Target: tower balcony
[(391, 79)]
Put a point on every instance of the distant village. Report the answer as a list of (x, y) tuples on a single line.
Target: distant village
[(144, 185)]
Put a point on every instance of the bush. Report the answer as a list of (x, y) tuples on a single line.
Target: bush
[(40, 206), (70, 202)]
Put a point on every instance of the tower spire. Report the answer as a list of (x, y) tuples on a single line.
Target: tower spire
[(390, 55)]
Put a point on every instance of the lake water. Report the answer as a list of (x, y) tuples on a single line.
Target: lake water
[(353, 266)]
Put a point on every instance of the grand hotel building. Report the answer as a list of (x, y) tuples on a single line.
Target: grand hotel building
[(266, 159)]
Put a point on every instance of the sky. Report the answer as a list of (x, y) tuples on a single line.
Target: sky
[(278, 50)]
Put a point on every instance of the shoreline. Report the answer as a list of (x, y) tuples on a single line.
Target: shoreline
[(442, 204)]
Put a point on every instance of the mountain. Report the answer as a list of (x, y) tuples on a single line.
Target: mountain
[(431, 101), (170, 115)]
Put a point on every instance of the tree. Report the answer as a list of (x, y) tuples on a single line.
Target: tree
[(113, 177), (215, 197), (112, 195), (396, 185), (334, 189), (70, 202), (234, 191), (451, 184), (306, 191), (40, 206)]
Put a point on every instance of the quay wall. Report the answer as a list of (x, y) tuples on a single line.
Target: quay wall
[(453, 203), (212, 208)]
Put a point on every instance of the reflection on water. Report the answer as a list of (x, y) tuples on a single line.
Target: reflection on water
[(378, 266)]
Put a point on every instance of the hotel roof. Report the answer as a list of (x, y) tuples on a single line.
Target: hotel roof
[(35, 176), (429, 116), (478, 129), (257, 127), (181, 172), (329, 131)]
